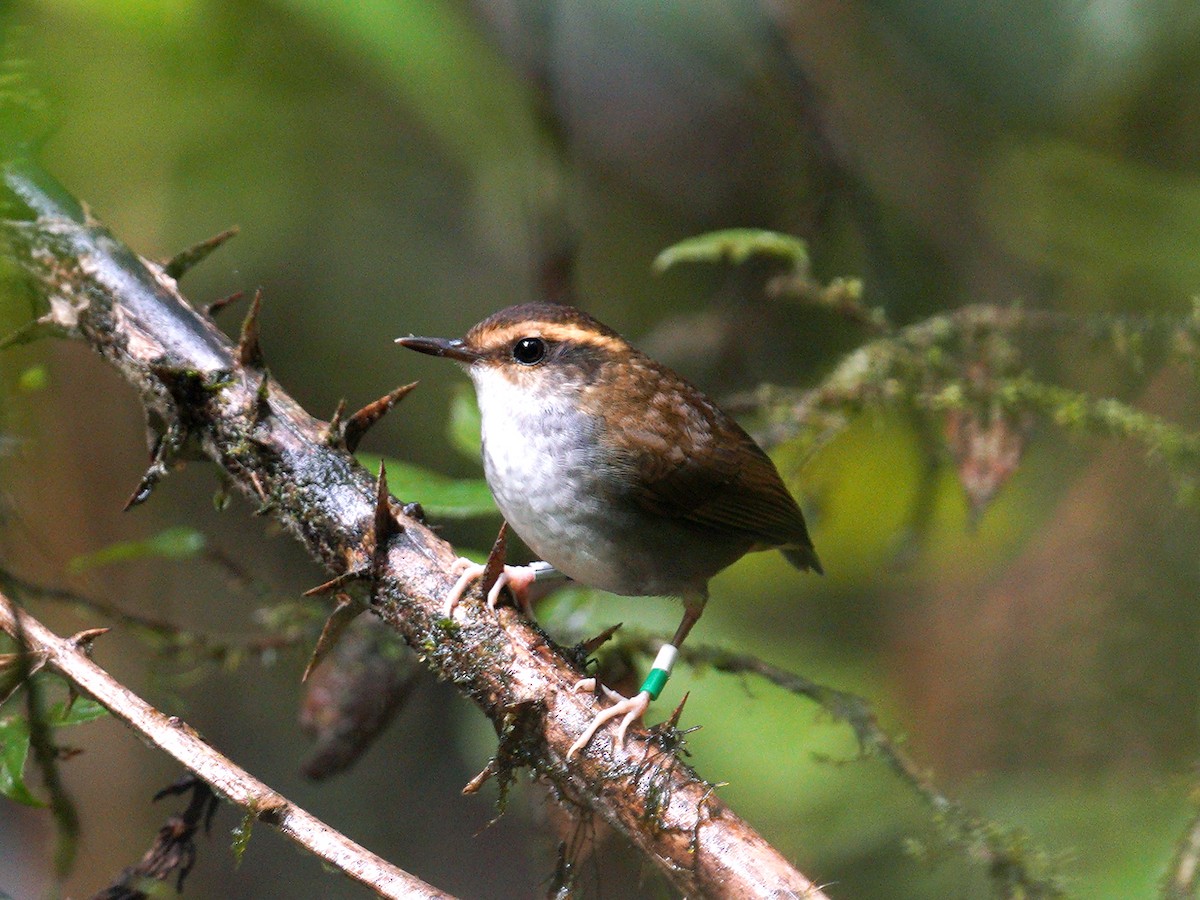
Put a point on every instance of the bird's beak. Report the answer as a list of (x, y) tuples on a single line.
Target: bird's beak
[(451, 348)]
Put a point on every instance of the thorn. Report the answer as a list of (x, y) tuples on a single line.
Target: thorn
[(346, 611), (673, 721), (588, 647), (249, 352), (83, 640), (155, 473), (668, 737), (218, 305), (262, 395), (519, 720), (385, 525), (333, 429), (145, 487), (414, 510), (336, 584), (383, 512), (473, 786), (179, 264), (359, 423), (495, 561)]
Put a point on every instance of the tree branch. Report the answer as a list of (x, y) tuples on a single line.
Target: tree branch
[(204, 398), (176, 738)]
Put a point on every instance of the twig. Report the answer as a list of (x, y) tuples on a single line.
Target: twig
[(236, 785), (174, 640)]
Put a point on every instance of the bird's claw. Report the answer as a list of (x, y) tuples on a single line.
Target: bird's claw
[(631, 708), (517, 579)]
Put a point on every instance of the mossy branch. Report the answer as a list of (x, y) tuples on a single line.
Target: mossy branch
[(964, 360), (205, 397)]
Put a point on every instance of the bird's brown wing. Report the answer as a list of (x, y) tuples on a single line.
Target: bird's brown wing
[(713, 476)]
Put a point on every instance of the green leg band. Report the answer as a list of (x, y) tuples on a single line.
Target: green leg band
[(655, 681), (657, 677)]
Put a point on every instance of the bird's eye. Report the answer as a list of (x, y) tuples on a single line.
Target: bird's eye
[(529, 351)]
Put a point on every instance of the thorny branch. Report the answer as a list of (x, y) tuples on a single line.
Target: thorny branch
[(205, 398), (1000, 849)]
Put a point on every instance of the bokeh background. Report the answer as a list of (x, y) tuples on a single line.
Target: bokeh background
[(400, 167)]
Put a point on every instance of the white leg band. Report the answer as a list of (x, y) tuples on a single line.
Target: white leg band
[(543, 571), (666, 657)]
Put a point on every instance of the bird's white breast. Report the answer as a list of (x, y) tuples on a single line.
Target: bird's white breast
[(542, 464)]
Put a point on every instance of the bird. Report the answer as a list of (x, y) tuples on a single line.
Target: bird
[(617, 472)]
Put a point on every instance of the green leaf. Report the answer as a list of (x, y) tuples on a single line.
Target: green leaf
[(464, 423), (180, 542), (735, 245), (14, 750), (450, 498), (83, 710), (14, 744)]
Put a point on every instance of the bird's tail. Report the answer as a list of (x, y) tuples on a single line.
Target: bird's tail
[(803, 558)]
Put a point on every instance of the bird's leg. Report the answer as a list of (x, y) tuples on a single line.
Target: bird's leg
[(518, 579), (633, 708)]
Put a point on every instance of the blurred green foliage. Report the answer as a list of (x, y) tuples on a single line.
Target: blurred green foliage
[(180, 542), (401, 167), (450, 498)]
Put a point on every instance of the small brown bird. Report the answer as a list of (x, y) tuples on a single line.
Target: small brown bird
[(615, 471)]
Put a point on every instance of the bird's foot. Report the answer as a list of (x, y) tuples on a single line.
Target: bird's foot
[(631, 708), (518, 579)]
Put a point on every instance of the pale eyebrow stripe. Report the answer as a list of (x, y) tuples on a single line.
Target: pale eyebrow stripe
[(554, 331)]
